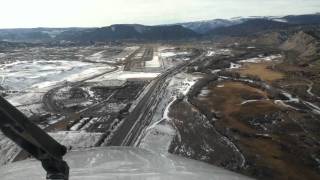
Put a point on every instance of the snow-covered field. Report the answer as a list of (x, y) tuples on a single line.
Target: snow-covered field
[(32, 79), (23, 75), (27, 74)]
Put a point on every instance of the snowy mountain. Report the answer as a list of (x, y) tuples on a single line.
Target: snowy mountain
[(203, 27), (176, 31), (249, 27)]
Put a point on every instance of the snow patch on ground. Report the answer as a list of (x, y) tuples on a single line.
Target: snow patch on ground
[(261, 59), (138, 75), (313, 107), (159, 135), (158, 139), (211, 53), (25, 99), (249, 101), (169, 53), (155, 62), (182, 83), (96, 57), (87, 73), (204, 92), (124, 75), (234, 66), (291, 98), (215, 71), (281, 103), (45, 84)]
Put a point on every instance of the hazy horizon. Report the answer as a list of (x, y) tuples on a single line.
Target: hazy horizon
[(99, 13)]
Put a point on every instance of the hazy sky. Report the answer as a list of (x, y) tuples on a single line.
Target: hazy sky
[(87, 13)]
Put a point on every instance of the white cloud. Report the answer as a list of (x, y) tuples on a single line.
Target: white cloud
[(62, 13)]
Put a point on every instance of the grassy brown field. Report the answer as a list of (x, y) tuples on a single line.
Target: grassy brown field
[(226, 98), (264, 131), (261, 70)]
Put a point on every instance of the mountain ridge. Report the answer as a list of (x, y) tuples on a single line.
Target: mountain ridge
[(238, 26)]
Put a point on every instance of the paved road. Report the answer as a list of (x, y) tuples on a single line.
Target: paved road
[(131, 127)]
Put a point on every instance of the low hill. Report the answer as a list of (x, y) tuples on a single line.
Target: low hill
[(305, 44)]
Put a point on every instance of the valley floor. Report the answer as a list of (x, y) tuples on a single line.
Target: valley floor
[(238, 108)]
